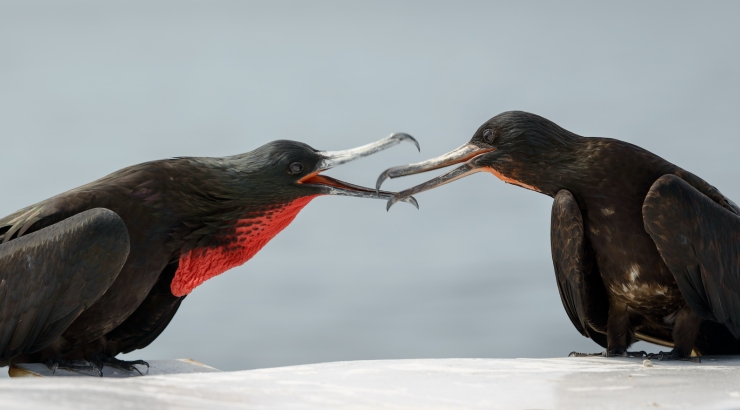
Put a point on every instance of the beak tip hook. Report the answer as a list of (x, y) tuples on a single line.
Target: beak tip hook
[(400, 136), (409, 199), (412, 201), (380, 181), (389, 204)]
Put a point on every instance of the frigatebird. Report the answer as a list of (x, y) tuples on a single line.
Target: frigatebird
[(642, 248), (101, 269)]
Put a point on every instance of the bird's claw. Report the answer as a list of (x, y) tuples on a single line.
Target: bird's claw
[(578, 354), (618, 352), (673, 355), (125, 365), (640, 354), (72, 366)]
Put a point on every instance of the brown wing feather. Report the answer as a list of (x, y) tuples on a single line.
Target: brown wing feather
[(699, 240), (48, 277), (581, 289)]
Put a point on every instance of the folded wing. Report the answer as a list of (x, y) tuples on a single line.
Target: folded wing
[(48, 277), (699, 240), (581, 288)]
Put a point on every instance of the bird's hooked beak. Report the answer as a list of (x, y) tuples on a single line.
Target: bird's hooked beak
[(467, 154), (331, 159)]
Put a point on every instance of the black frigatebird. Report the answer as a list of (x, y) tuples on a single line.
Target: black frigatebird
[(642, 249), (102, 269)]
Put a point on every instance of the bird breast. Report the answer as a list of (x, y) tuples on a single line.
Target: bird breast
[(249, 237), (644, 294)]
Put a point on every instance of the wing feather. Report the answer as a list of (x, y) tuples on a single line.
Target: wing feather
[(579, 283), (699, 240), (48, 277)]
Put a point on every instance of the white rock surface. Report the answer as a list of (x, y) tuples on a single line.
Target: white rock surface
[(157, 367), (563, 383)]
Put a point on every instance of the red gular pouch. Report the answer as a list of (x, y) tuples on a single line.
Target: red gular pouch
[(250, 235)]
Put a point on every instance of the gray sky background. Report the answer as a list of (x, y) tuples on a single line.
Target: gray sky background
[(88, 87)]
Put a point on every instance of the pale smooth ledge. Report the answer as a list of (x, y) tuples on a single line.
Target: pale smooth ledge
[(156, 367), (563, 383)]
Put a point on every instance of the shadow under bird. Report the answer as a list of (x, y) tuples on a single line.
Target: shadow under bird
[(642, 249), (102, 269)]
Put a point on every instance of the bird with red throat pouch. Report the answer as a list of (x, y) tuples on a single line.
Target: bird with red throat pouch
[(102, 269)]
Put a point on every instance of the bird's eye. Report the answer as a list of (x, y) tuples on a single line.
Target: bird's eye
[(488, 136), (296, 168)]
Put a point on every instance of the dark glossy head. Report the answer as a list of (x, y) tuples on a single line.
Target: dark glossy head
[(517, 147), (289, 170)]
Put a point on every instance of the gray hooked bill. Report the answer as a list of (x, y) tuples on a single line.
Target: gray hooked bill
[(466, 153), (331, 159)]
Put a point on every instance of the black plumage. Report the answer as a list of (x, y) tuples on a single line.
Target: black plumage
[(642, 248), (37, 306), (91, 273)]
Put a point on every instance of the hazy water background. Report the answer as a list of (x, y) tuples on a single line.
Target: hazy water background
[(88, 87)]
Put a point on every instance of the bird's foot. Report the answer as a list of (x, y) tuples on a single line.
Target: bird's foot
[(618, 352), (126, 365), (673, 355), (72, 366)]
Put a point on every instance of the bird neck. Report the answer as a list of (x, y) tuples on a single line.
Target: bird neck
[(546, 169), (233, 244)]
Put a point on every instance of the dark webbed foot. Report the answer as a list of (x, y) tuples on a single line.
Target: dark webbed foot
[(618, 352), (673, 355), (72, 366), (101, 360)]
